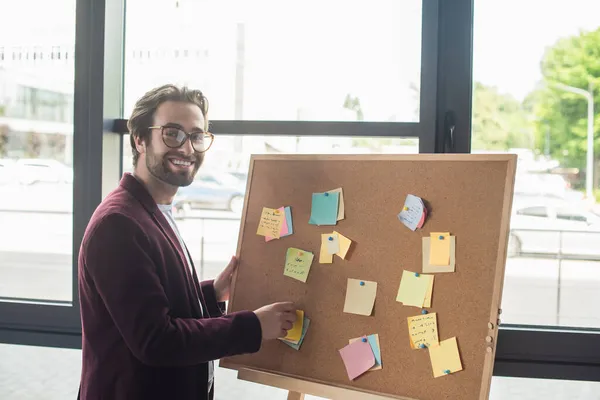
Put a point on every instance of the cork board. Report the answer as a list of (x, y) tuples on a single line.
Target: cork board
[(469, 196)]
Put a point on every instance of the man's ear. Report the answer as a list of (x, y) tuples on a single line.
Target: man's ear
[(140, 144)]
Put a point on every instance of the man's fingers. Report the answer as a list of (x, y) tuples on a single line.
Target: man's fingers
[(230, 268), (287, 325), (283, 333), (289, 317), (285, 306)]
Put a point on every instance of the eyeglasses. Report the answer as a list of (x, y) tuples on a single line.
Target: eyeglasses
[(174, 138)]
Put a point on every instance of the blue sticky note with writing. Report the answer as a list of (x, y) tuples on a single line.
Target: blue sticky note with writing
[(305, 325), (324, 210), (375, 347), (288, 220)]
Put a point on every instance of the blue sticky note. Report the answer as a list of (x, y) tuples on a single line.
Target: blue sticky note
[(304, 329), (324, 210), (288, 220), (375, 348)]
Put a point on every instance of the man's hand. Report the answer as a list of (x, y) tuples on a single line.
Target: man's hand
[(222, 282), (276, 319)]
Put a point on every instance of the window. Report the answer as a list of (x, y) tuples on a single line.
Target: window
[(524, 102)]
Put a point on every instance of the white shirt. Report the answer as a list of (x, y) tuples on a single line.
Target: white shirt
[(168, 213)]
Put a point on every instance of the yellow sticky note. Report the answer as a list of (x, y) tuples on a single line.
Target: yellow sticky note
[(439, 250), (360, 297), (345, 244), (340, 215), (297, 263), (294, 334), (324, 256), (427, 301), (413, 289), (270, 222), (422, 331), (445, 358)]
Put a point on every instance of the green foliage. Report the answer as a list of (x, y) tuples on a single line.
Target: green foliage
[(500, 121), (561, 115)]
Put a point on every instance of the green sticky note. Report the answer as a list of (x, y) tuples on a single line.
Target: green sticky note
[(297, 263), (304, 329), (324, 210)]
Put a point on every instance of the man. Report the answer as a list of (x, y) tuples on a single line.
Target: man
[(151, 330)]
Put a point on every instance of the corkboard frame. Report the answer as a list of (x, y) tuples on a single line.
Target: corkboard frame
[(334, 390)]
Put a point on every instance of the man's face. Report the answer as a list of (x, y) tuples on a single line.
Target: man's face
[(178, 166)]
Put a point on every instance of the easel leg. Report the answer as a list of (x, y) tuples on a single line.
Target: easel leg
[(295, 396)]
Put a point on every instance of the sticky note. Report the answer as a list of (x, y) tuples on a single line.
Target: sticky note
[(340, 215), (294, 334), (360, 298), (324, 256), (324, 209), (296, 346), (344, 244), (375, 347), (413, 212), (427, 267), (439, 250), (284, 227), (297, 263), (429, 293), (270, 222), (422, 330), (288, 220), (333, 243), (358, 358), (413, 289), (445, 357)]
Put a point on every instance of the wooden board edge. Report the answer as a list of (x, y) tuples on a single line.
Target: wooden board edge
[(309, 387), (385, 157), (241, 232), (488, 367)]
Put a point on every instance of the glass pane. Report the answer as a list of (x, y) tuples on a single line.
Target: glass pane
[(36, 149), (261, 61), (531, 80)]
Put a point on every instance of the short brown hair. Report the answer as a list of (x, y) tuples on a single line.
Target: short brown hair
[(142, 115)]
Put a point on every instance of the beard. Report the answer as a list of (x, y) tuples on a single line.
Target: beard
[(162, 169)]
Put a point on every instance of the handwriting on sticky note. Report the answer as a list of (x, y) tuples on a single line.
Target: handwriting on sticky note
[(324, 209), (358, 358), (413, 288), (422, 330), (375, 346), (445, 358), (439, 250), (360, 297), (412, 213), (283, 231), (294, 334), (345, 244), (270, 222), (297, 264)]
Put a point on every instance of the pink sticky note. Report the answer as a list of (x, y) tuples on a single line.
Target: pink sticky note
[(358, 358), (284, 227)]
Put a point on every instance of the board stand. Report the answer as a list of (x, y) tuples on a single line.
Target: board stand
[(297, 389)]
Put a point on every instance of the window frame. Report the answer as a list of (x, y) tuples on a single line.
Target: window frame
[(444, 127)]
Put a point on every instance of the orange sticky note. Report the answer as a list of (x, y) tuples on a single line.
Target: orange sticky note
[(294, 334), (439, 250), (422, 330)]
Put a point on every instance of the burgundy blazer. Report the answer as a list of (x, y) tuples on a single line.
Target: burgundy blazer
[(144, 335)]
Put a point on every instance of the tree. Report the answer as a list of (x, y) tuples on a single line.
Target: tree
[(3, 140), (561, 117), (353, 103), (500, 121)]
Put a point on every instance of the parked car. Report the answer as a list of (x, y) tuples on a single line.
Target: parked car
[(29, 171), (211, 191), (551, 229)]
